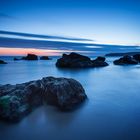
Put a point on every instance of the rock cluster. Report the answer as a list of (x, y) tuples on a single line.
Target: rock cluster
[(16, 101), (74, 60), (32, 57), (126, 60)]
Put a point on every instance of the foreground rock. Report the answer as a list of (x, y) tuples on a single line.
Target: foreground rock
[(74, 60), (30, 57), (16, 101), (2, 62), (44, 58), (64, 93), (125, 60)]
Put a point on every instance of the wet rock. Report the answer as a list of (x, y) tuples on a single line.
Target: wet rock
[(2, 62), (44, 58), (74, 60), (16, 101), (125, 60), (64, 93), (30, 57), (99, 62)]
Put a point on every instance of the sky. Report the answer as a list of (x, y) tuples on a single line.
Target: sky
[(90, 22)]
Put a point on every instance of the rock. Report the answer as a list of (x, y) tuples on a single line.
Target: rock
[(16, 101), (125, 60), (137, 57), (30, 57), (74, 60), (64, 93), (44, 58), (99, 62), (2, 62), (16, 59)]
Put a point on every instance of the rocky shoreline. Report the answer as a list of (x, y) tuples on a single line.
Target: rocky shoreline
[(16, 101)]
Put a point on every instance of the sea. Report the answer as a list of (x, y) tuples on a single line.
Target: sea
[(111, 112)]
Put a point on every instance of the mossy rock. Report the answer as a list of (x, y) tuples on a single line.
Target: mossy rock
[(5, 101)]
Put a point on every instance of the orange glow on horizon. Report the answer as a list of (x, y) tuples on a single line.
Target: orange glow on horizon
[(4, 51), (22, 51)]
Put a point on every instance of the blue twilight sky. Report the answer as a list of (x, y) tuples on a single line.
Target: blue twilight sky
[(103, 21)]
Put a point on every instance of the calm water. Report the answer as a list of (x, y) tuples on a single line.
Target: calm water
[(112, 111)]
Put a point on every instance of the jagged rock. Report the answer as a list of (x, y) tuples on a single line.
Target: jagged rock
[(44, 58), (16, 101), (74, 60), (125, 60), (30, 57), (137, 57), (2, 62)]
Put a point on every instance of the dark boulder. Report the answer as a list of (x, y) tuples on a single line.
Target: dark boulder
[(125, 60), (137, 57), (64, 93), (30, 57), (44, 58), (2, 62), (74, 60), (16, 101), (99, 62)]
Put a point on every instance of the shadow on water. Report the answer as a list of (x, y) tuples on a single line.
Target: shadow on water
[(48, 113), (61, 117)]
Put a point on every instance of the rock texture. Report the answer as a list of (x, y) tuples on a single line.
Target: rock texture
[(64, 93), (30, 57), (125, 60), (2, 62), (16, 101), (74, 60)]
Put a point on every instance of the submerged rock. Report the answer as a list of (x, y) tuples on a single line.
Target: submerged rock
[(16, 59), (125, 60), (74, 60), (30, 57), (16, 101), (2, 62), (44, 58)]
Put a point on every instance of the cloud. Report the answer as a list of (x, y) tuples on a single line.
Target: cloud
[(62, 44), (42, 36)]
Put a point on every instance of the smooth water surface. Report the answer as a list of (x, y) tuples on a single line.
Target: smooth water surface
[(112, 111)]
